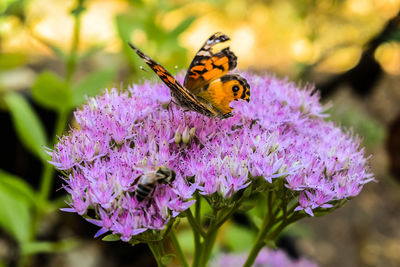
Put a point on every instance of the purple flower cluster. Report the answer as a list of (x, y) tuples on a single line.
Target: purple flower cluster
[(280, 133), (266, 258)]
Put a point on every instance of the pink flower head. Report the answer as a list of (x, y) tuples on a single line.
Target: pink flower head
[(281, 133)]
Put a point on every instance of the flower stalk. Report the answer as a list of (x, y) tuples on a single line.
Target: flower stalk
[(157, 251), (194, 223), (178, 249), (267, 224)]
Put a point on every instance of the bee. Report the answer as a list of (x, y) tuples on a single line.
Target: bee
[(149, 180)]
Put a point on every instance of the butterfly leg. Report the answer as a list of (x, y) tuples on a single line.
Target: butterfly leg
[(173, 102), (170, 108)]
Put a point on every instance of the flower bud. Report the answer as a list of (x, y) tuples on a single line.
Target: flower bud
[(186, 136), (274, 148), (178, 137), (192, 132), (283, 169)]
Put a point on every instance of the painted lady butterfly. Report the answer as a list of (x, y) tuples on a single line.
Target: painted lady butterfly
[(207, 88)]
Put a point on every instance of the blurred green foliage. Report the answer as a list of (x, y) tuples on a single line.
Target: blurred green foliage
[(11, 60), (15, 216), (24, 207), (13, 8), (238, 238), (145, 18), (27, 124)]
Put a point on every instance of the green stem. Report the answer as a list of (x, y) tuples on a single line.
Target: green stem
[(61, 123), (197, 208), (46, 180), (197, 252), (209, 240), (257, 246), (208, 245), (156, 250), (72, 59), (45, 185), (196, 227), (62, 119), (196, 237), (286, 217), (226, 216), (277, 231), (268, 222), (201, 257), (178, 248)]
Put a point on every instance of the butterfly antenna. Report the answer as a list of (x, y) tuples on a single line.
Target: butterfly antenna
[(143, 69)]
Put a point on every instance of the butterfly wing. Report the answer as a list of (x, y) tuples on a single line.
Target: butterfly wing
[(208, 66), (182, 96)]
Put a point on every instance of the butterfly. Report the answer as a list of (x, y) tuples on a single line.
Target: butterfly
[(207, 88)]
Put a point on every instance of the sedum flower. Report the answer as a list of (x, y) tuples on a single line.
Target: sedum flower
[(266, 258), (281, 133)]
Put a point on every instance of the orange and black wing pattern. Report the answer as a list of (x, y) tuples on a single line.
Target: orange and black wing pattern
[(208, 66), (181, 95), (222, 91), (208, 89)]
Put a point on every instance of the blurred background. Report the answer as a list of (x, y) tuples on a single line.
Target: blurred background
[(54, 53)]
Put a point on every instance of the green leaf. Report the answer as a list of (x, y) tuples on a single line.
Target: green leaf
[(52, 92), (27, 124), (15, 217), (46, 247), (11, 60), (125, 26), (17, 187), (166, 259), (248, 204), (256, 220), (91, 85), (91, 51), (247, 192), (55, 49), (183, 26), (111, 238), (134, 242)]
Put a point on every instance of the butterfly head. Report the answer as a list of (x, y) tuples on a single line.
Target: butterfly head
[(235, 87)]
